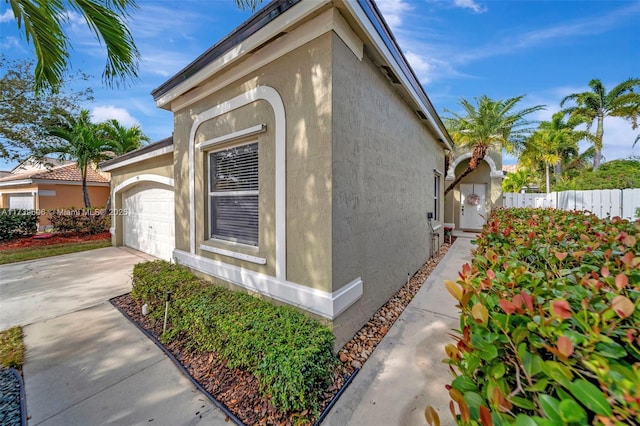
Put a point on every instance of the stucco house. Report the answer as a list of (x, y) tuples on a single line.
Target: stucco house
[(50, 185), (467, 205), (305, 161)]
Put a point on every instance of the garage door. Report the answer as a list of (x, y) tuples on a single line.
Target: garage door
[(148, 221), (21, 201)]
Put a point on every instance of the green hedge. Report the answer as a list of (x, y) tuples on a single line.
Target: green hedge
[(549, 322), (17, 223), (90, 221), (289, 353)]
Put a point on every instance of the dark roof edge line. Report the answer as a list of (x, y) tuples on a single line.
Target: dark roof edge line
[(383, 30), (245, 30), (147, 149)]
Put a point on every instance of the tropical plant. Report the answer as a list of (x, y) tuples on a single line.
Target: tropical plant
[(25, 113), (553, 144), (80, 140), (43, 22), (516, 181), (615, 174), (123, 139), (488, 125), (549, 317), (593, 106)]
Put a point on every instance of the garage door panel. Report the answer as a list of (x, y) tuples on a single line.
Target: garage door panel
[(149, 225)]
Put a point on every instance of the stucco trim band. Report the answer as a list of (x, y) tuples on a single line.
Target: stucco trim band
[(143, 157), (495, 173), (234, 254), (325, 304), (327, 21), (250, 131), (270, 95)]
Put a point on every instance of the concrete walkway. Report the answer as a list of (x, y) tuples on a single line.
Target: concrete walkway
[(405, 373), (85, 363)]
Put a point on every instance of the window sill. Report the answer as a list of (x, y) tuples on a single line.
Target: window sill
[(236, 255)]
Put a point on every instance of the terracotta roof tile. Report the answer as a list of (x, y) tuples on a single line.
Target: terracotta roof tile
[(66, 173)]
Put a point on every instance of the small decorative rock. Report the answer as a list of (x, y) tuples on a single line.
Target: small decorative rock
[(356, 364), (10, 414)]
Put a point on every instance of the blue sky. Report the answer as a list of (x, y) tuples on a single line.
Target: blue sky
[(458, 48)]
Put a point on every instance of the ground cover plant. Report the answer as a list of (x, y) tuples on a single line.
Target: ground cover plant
[(549, 322), (11, 348), (290, 354)]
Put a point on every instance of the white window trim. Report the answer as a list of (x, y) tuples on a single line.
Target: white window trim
[(250, 131)]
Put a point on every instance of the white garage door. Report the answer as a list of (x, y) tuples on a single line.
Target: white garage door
[(148, 220), (21, 201)]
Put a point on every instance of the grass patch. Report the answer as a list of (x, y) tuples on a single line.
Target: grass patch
[(290, 354), (11, 348), (31, 253)]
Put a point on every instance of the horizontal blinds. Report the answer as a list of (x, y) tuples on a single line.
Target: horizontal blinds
[(235, 218), (234, 194), (235, 169)]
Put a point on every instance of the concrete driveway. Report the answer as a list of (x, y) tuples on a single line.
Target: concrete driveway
[(85, 363), (42, 289)]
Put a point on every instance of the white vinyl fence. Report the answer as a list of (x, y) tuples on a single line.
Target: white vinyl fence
[(601, 202)]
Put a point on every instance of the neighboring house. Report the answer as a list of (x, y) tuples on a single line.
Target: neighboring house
[(467, 205), (304, 162), (51, 185)]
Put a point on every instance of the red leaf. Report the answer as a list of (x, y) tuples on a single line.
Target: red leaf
[(528, 300), (561, 308), (622, 281), (491, 275), (565, 347), (604, 271), (485, 416), (507, 306), (561, 256)]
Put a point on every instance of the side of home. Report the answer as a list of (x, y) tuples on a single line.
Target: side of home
[(306, 157)]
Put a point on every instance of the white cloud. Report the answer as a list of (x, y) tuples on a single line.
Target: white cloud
[(394, 11), (7, 16), (11, 42), (108, 112), (470, 4)]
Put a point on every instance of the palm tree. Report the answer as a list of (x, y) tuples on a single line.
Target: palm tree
[(80, 140), (489, 125), (552, 144), (123, 139), (515, 181), (597, 104), (43, 22)]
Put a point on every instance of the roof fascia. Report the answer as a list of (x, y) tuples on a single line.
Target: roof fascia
[(133, 160)]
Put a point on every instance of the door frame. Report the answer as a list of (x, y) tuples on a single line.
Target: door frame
[(482, 210)]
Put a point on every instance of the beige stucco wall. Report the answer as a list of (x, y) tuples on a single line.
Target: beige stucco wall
[(303, 80), (383, 171), (481, 175), (159, 166)]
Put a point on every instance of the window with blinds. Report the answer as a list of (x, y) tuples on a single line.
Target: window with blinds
[(233, 194)]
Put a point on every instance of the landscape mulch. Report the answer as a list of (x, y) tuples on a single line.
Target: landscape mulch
[(55, 239), (238, 390)]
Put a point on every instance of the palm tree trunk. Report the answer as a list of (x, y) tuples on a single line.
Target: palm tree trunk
[(85, 191), (479, 152), (597, 155), (546, 167)]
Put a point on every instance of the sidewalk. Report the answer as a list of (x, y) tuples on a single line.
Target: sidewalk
[(405, 372)]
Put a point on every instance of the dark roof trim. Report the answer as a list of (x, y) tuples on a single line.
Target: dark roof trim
[(383, 30), (237, 36), (147, 149)]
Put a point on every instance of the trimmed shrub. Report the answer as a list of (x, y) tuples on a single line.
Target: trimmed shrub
[(90, 221), (17, 223), (549, 322), (290, 354)]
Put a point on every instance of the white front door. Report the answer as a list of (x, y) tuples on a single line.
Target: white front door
[(149, 220), (473, 205)]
